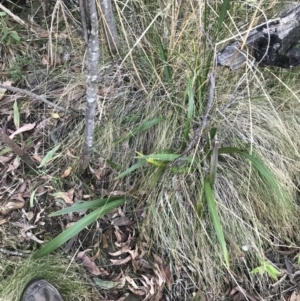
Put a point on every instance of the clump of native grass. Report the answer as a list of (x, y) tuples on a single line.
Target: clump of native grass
[(171, 47), (154, 101), (66, 277)]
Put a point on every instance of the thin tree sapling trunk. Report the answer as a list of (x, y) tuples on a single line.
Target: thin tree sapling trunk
[(110, 26), (90, 24)]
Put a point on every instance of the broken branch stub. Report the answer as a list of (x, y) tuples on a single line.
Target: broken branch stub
[(273, 43)]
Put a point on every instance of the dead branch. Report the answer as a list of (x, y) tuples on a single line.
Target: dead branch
[(35, 96), (91, 19), (273, 43), (205, 119), (16, 149)]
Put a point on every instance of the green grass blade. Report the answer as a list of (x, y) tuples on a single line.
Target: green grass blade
[(222, 15), (84, 206), (190, 112), (258, 164), (168, 158), (264, 172), (160, 157), (114, 165), (76, 228), (131, 169), (229, 150), (215, 219), (213, 165), (164, 57), (49, 156), (140, 128), (155, 177)]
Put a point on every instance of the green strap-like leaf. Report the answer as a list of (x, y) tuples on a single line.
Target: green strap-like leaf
[(84, 206), (258, 164), (215, 219), (76, 228), (49, 156), (131, 169)]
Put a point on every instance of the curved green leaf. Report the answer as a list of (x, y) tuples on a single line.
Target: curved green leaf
[(215, 219), (76, 228), (85, 205)]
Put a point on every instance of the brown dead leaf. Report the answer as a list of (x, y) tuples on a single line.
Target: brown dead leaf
[(138, 292), (66, 196), (119, 236), (120, 261), (29, 215), (131, 282), (3, 221), (45, 60), (24, 128), (134, 253), (127, 243), (5, 159), (39, 215), (122, 221), (119, 252), (11, 205), (295, 296), (24, 228), (37, 158), (240, 294), (104, 241), (90, 265), (69, 154), (2, 91), (96, 255), (163, 271), (67, 172), (121, 279), (22, 187), (15, 164)]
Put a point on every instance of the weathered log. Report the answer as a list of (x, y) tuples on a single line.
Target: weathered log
[(273, 43)]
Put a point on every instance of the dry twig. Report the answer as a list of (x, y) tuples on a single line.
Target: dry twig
[(205, 119), (17, 149), (35, 96)]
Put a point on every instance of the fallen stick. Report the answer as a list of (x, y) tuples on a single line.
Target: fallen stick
[(35, 96), (17, 149)]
